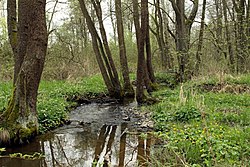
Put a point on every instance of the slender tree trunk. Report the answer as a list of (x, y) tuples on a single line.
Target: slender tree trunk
[(148, 46), (143, 29), (128, 89), (200, 43), (218, 29), (140, 97), (20, 117), (113, 22), (114, 76), (106, 71), (228, 38), (170, 59), (159, 33)]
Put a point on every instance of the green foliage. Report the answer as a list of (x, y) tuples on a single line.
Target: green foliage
[(167, 78), (52, 98), (204, 128), (5, 90), (34, 156), (207, 144), (2, 150)]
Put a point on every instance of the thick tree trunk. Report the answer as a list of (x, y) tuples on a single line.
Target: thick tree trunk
[(128, 89), (20, 117), (12, 28), (241, 36), (183, 28)]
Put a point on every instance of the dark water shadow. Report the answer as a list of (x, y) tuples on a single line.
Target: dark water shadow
[(100, 140)]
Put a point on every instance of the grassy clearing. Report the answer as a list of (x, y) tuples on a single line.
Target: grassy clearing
[(203, 128), (52, 99)]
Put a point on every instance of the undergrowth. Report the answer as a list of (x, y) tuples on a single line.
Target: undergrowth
[(203, 128), (52, 98)]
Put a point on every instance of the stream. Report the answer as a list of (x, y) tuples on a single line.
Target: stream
[(98, 135)]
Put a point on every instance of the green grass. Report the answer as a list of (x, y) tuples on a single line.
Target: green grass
[(52, 98), (5, 91), (201, 128)]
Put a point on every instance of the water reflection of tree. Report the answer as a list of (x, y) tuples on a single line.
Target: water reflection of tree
[(111, 146)]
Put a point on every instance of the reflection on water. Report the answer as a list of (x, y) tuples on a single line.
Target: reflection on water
[(92, 143)]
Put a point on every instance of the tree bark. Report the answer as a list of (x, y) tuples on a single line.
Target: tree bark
[(159, 36), (128, 89), (228, 38), (20, 117), (239, 7), (140, 97), (114, 75), (218, 30), (200, 43), (12, 28), (148, 46), (183, 28), (106, 71)]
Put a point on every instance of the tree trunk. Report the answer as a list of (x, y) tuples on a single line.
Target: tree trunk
[(140, 97), (106, 71), (12, 28), (114, 75), (128, 89), (183, 28), (159, 33), (200, 43), (218, 30), (241, 36), (165, 27), (148, 46), (228, 38), (20, 117)]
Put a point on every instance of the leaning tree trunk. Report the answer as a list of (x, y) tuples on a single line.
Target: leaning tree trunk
[(114, 77), (128, 89), (20, 117), (101, 57)]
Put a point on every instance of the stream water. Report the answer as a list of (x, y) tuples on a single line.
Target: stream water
[(97, 135)]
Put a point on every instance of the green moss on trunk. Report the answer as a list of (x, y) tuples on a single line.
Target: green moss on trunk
[(20, 127)]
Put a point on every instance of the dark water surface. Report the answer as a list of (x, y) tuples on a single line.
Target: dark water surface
[(97, 135)]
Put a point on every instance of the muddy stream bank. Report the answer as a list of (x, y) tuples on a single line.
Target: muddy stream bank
[(98, 134)]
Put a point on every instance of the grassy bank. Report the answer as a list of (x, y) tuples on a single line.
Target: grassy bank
[(204, 122), (54, 99)]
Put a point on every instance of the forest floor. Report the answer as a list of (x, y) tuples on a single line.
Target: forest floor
[(204, 122)]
